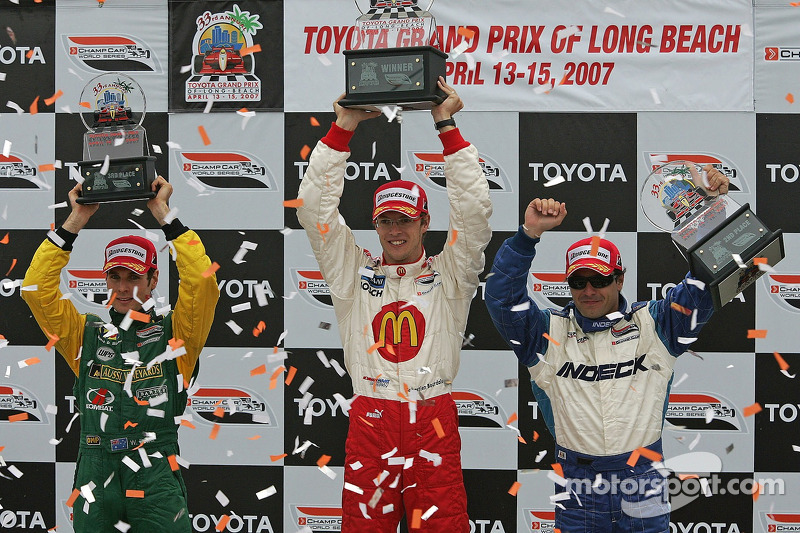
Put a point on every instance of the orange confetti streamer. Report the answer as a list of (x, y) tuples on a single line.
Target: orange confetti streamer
[(175, 343), (173, 463), (35, 104), (140, 402), (259, 328), (756, 333), (243, 110), (258, 370), (557, 469), (187, 424), (223, 522), (437, 426), (87, 105), (466, 32), (53, 340), (73, 497), (781, 362), (367, 422), (49, 167), (790, 98), (13, 264), (683, 477), (750, 410), (219, 412), (511, 418), (278, 371), (759, 260), (453, 238), (634, 458), (58, 94), (304, 151), (193, 242), (678, 307), (111, 300), (32, 361), (323, 228), (595, 245), (514, 488), (756, 490), (140, 317), (29, 53), (416, 519), (551, 339), (18, 417), (314, 122), (650, 454), (375, 346), (274, 458), (254, 437), (250, 50), (519, 438), (322, 461), (129, 424), (214, 432), (131, 493), (203, 135), (290, 375), (5, 239), (211, 270), (535, 436), (297, 202)]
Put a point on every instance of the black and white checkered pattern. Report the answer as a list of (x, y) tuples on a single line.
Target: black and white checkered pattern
[(388, 9)]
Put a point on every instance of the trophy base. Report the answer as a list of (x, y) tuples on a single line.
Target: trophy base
[(404, 77), (711, 258), (128, 178)]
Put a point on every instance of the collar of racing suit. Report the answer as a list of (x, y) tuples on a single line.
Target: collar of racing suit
[(595, 324), (116, 317), (406, 269)]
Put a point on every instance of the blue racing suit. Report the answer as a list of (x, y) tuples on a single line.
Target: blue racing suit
[(602, 386)]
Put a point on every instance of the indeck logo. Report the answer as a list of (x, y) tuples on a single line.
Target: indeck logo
[(429, 167), (225, 170), (399, 329), (584, 372), (111, 53), (724, 165)]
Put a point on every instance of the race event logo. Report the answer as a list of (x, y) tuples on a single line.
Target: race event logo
[(317, 518), (236, 405), (21, 405), (19, 172), (398, 329), (784, 289), (312, 288), (690, 411), (225, 170), (540, 520), (430, 166), (778, 522), (781, 53), (549, 289), (477, 410), (727, 167), (111, 53), (222, 65), (90, 285)]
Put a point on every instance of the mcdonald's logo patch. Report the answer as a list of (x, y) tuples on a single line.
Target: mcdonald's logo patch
[(399, 329)]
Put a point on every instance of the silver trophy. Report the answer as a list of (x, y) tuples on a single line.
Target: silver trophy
[(395, 63), (724, 242), (117, 164)]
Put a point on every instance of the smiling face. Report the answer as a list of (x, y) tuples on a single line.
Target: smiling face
[(401, 239), (592, 302), (122, 282)]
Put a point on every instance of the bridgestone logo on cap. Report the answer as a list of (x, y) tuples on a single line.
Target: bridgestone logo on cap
[(585, 251), (129, 250), (404, 195)]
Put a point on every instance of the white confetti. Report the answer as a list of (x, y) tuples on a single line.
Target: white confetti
[(524, 306), (694, 442), (709, 415), (324, 60), (540, 455), (17, 473), (353, 488), (339, 370), (6, 148), (14, 106), (555, 181), (56, 206), (120, 139), (240, 307), (696, 282), (222, 499), (185, 68), (427, 514), (130, 463), (614, 316), (122, 526), (654, 95), (209, 104), (388, 508), (266, 493), (234, 327), (613, 12), (587, 223), (328, 472), (682, 378), (686, 340), (173, 145), (104, 168), (460, 49), (323, 358)]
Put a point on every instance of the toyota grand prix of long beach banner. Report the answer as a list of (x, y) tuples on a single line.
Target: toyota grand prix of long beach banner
[(654, 55)]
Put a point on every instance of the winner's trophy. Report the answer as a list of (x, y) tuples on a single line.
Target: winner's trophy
[(725, 243), (395, 64), (117, 163)]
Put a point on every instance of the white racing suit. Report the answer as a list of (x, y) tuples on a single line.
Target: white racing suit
[(401, 328)]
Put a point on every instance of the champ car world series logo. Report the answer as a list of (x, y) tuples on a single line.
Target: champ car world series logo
[(784, 289), (691, 411), (225, 171), (111, 53), (430, 166), (20, 404), (89, 284), (19, 172), (223, 67)]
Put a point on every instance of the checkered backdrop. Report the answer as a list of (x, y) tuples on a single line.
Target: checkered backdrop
[(594, 98)]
